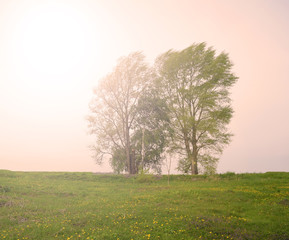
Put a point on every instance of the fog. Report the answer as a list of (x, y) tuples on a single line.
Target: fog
[(52, 54)]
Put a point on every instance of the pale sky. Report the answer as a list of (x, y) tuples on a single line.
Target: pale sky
[(53, 52)]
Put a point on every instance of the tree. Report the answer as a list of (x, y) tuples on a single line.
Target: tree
[(114, 111), (151, 130), (195, 84)]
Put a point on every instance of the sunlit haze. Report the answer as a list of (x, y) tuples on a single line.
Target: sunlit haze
[(52, 54)]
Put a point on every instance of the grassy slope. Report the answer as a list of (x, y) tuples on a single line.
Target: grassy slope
[(88, 206)]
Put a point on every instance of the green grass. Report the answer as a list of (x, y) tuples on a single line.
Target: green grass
[(89, 206)]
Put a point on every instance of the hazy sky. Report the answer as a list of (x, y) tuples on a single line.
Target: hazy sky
[(52, 53)]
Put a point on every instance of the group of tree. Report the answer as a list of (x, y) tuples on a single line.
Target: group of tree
[(180, 106)]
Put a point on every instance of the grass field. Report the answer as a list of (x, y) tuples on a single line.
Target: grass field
[(88, 206)]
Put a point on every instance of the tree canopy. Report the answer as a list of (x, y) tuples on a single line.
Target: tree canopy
[(195, 84), (117, 117), (180, 106)]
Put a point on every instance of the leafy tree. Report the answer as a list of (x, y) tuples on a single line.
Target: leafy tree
[(114, 112), (118, 160), (151, 130), (195, 84)]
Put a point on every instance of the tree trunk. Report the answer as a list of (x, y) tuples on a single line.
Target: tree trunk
[(133, 165), (194, 154), (128, 150), (142, 149), (192, 160), (128, 158), (194, 164)]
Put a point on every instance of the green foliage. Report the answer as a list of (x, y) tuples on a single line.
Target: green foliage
[(227, 175), (184, 165), (181, 106), (208, 164), (113, 111), (118, 160), (151, 130), (102, 206), (195, 84), (145, 177)]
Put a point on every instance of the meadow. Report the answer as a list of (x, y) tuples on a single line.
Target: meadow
[(48, 205)]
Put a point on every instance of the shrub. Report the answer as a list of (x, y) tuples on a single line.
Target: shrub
[(145, 177)]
